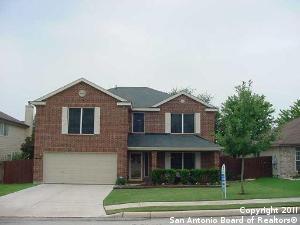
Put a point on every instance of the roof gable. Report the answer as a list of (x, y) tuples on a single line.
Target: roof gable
[(186, 94), (43, 98)]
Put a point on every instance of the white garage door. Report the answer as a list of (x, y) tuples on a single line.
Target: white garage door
[(80, 168)]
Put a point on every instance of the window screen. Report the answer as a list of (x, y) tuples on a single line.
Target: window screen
[(138, 122), (176, 123), (74, 120), (88, 121), (189, 160), (188, 122)]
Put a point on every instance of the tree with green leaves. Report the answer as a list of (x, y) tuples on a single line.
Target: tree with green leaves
[(287, 115), (27, 147), (205, 97), (245, 124)]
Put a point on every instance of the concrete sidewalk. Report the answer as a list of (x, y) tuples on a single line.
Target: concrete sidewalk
[(201, 203)]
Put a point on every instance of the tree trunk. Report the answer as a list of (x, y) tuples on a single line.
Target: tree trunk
[(242, 176)]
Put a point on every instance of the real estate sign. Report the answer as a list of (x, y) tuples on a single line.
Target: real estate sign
[(223, 180)]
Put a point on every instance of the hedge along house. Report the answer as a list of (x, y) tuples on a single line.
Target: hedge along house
[(285, 151), (86, 134)]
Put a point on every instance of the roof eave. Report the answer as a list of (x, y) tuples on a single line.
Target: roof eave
[(76, 82), (186, 94)]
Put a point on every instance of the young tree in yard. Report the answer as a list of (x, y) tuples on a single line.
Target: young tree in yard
[(245, 124), (205, 97), (289, 114)]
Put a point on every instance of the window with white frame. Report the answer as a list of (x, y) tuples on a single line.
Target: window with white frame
[(138, 122), (183, 160), (298, 159), (3, 129), (81, 121), (182, 123)]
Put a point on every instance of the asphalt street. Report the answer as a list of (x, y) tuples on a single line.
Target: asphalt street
[(272, 219)]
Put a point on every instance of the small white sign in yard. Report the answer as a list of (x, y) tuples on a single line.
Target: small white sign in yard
[(223, 180)]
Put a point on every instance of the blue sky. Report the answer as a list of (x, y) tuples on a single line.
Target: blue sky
[(208, 45)]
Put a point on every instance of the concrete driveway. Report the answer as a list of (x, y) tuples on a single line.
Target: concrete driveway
[(56, 200)]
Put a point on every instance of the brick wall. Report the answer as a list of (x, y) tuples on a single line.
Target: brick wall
[(113, 130), (155, 121)]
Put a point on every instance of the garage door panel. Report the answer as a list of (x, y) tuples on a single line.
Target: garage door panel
[(80, 168)]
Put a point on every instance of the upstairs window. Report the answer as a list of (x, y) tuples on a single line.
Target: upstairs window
[(138, 122), (3, 129), (182, 123), (81, 121)]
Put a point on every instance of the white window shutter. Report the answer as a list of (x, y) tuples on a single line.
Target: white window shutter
[(97, 120), (167, 160), (197, 160), (167, 122), (64, 120), (197, 122)]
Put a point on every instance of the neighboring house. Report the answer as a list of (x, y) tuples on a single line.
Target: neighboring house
[(285, 151), (86, 134), (13, 133)]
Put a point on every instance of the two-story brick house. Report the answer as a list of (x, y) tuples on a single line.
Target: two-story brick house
[(86, 134)]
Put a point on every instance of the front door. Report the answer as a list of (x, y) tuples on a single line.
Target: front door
[(135, 165)]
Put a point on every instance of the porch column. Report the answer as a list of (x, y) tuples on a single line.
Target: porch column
[(153, 160)]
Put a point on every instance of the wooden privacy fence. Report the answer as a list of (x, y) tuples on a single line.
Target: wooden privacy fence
[(254, 167), (18, 171)]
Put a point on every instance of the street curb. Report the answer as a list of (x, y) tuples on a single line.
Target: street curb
[(202, 203), (192, 213)]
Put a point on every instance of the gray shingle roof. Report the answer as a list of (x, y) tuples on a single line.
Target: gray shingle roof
[(140, 97), (289, 134), (11, 119), (184, 141)]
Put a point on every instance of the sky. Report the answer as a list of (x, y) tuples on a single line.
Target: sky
[(211, 46)]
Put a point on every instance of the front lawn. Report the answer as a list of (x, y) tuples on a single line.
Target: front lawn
[(9, 188), (260, 188)]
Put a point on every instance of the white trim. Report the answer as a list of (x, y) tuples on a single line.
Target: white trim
[(81, 114), (197, 160), (167, 122), (186, 94), (211, 110), (167, 160), (185, 149), (124, 103), (36, 103), (146, 109), (132, 124), (76, 82), (197, 123)]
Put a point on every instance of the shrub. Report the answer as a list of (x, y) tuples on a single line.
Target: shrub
[(204, 176), (120, 181), (158, 176), (184, 176), (170, 176)]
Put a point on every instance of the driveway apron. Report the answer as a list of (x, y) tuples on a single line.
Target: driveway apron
[(56, 200)]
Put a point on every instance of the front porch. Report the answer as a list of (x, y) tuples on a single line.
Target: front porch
[(141, 163)]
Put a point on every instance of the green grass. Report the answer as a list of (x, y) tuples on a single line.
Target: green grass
[(10, 188), (207, 207), (260, 188)]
